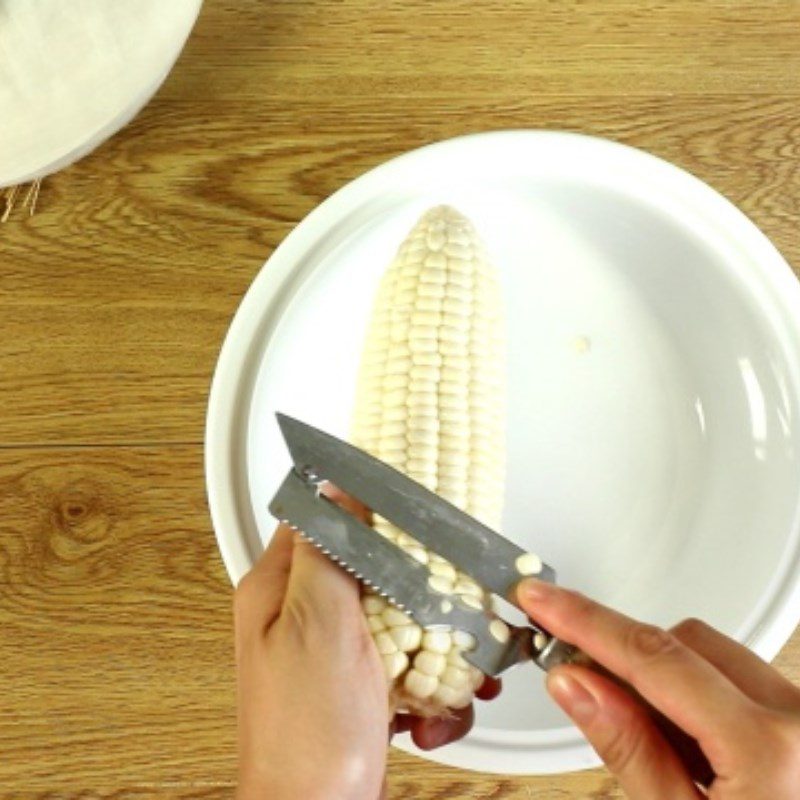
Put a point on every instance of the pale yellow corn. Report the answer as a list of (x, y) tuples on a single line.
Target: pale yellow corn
[(431, 403)]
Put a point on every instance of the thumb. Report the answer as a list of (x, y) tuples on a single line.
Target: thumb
[(317, 586), (318, 589), (622, 734)]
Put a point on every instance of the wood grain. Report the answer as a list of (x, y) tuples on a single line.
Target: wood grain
[(116, 632), (114, 606)]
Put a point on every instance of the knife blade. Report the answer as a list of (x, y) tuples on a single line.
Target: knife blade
[(474, 548), (380, 564)]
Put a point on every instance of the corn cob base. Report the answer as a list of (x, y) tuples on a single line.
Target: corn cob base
[(431, 403)]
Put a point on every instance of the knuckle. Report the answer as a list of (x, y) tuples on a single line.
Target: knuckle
[(581, 606), (649, 641), (304, 617), (783, 736), (242, 594), (621, 750), (242, 591), (299, 612), (781, 747), (689, 629)]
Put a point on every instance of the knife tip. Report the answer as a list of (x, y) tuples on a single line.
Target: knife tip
[(285, 422)]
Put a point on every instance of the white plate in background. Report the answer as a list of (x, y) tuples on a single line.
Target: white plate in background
[(654, 384)]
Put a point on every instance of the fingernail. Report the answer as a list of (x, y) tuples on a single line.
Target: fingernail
[(436, 734), (440, 738), (535, 590), (572, 696)]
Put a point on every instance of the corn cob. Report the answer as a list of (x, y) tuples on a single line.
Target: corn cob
[(430, 402)]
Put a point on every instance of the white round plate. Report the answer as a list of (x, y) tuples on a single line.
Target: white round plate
[(654, 384), (73, 73)]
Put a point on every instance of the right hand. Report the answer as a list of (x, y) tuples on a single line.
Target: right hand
[(743, 714)]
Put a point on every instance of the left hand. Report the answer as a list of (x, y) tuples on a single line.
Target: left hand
[(312, 696)]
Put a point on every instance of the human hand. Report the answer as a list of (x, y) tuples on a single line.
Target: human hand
[(312, 696), (743, 714)]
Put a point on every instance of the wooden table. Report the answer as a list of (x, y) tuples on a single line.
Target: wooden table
[(115, 623)]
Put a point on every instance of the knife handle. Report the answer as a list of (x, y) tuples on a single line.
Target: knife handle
[(688, 750)]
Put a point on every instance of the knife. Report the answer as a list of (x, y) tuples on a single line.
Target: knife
[(487, 557), (479, 552)]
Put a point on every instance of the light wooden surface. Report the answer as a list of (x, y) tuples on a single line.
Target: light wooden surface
[(115, 630)]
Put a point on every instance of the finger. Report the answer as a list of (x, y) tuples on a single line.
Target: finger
[(277, 555), (348, 503), (622, 733), (259, 594), (320, 593), (318, 588), (669, 675), (489, 689), (755, 677), (401, 723), (437, 731)]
